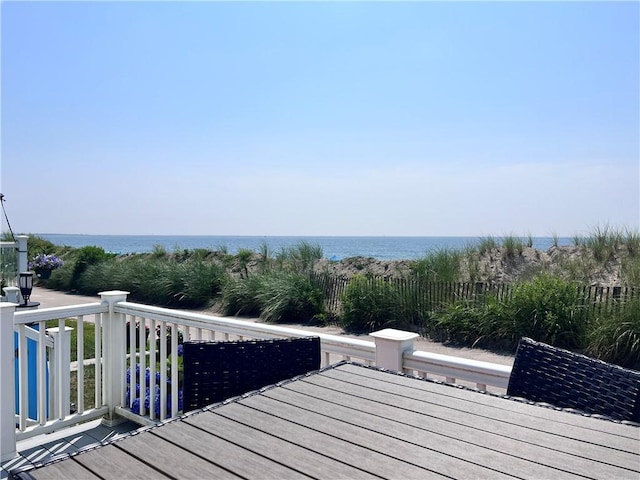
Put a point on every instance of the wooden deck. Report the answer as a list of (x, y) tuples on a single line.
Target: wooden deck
[(351, 421)]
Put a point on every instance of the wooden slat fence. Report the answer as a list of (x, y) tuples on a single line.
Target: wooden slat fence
[(428, 297), (598, 299)]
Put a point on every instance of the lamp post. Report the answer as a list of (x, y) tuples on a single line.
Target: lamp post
[(26, 287)]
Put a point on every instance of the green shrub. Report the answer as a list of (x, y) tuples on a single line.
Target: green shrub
[(69, 276), (369, 304), (547, 309), (461, 322), (83, 257), (201, 282), (61, 277), (98, 278), (240, 296), (277, 296), (146, 279), (193, 283), (615, 336), (289, 297)]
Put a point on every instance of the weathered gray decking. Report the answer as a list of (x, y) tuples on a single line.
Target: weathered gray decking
[(356, 422)]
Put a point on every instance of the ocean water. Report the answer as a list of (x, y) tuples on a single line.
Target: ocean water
[(335, 248)]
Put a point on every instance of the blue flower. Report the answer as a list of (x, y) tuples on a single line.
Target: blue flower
[(135, 405)]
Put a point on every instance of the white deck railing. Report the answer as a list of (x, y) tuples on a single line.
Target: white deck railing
[(13, 260), (153, 337)]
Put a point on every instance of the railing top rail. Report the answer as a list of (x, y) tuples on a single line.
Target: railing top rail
[(235, 326), (459, 363), (59, 312), (460, 368), (7, 244), (34, 335)]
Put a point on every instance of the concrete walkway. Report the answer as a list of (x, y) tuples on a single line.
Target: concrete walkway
[(52, 298)]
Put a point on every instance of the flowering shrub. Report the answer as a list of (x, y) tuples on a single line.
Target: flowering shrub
[(152, 391), (44, 261)]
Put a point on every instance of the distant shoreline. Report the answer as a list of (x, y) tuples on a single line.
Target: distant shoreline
[(333, 247)]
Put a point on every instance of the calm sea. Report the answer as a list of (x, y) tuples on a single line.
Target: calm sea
[(335, 248)]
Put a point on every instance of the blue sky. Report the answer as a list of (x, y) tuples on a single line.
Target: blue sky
[(239, 118)]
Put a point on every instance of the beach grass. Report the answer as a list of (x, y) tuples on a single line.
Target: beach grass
[(441, 265), (615, 336), (487, 244), (512, 245), (278, 286)]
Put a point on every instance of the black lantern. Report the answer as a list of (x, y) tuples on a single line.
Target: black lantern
[(26, 286)]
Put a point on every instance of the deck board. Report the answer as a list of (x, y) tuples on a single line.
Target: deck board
[(480, 415), (232, 457), (354, 422), (502, 433), (111, 462), (64, 469), (333, 440), (397, 453), (170, 457), (558, 417), (439, 447), (278, 448)]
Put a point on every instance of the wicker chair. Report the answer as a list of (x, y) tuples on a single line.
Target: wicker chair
[(215, 371), (542, 373)]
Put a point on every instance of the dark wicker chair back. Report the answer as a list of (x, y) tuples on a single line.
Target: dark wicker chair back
[(215, 371), (542, 373)]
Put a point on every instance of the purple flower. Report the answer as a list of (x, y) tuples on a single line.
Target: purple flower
[(45, 262)]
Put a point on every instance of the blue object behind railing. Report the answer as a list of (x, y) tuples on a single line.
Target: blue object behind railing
[(32, 377)]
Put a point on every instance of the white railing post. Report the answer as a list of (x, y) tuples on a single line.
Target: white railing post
[(7, 383), (61, 372), (23, 260), (113, 359), (12, 294), (390, 347)]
